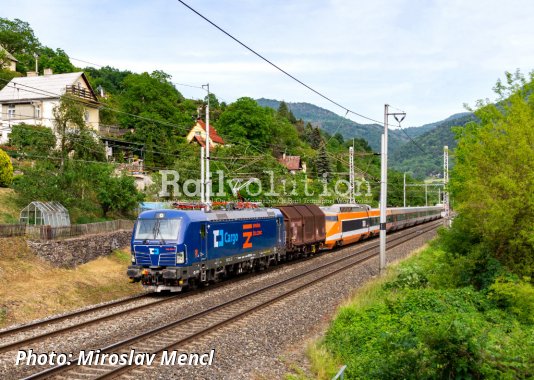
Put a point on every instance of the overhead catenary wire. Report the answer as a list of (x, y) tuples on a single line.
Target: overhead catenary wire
[(278, 67)]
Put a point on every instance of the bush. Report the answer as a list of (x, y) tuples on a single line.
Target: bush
[(515, 295), (422, 324), (87, 190), (32, 139), (410, 277), (6, 170)]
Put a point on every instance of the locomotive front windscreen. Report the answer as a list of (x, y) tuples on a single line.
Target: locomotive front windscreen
[(157, 229)]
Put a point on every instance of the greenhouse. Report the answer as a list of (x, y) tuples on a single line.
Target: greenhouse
[(45, 213)]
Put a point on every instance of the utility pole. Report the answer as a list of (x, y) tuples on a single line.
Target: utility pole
[(351, 174), (202, 176), (446, 205), (36, 56), (404, 191), (207, 166), (384, 184)]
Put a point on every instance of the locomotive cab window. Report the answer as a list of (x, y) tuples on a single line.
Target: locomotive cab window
[(157, 229)]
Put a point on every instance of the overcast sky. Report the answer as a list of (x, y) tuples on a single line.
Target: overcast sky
[(425, 57)]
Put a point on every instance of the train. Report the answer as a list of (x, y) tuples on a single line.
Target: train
[(172, 250)]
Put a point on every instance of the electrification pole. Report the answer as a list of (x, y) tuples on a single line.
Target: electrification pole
[(351, 175), (384, 184), (202, 176), (446, 183), (404, 191), (207, 174)]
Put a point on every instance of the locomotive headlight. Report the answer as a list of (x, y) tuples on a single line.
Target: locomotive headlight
[(133, 258), (180, 257)]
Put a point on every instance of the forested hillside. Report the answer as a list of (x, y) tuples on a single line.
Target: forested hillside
[(423, 157), (332, 123), (418, 131)]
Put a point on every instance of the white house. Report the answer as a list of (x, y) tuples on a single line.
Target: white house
[(32, 99)]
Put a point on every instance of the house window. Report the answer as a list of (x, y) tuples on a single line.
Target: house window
[(37, 112), (86, 116), (197, 133), (11, 111)]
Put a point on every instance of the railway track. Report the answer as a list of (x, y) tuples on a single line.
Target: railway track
[(34, 328), (191, 327), (18, 337)]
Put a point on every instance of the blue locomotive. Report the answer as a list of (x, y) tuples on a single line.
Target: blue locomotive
[(172, 249)]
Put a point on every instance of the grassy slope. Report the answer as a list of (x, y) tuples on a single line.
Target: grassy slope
[(9, 211), (31, 288), (416, 319)]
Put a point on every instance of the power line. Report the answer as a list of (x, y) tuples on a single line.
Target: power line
[(38, 91), (415, 142), (278, 67)]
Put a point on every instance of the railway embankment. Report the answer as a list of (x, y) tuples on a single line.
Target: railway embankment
[(424, 320), (34, 288)]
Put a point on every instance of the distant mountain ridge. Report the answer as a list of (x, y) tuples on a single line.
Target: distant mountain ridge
[(332, 123), (426, 158), (423, 158)]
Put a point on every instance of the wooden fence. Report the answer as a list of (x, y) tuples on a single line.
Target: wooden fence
[(53, 233)]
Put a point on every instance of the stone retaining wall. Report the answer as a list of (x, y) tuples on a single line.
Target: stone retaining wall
[(75, 251)]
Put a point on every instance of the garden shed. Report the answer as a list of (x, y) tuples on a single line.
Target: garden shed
[(45, 213)]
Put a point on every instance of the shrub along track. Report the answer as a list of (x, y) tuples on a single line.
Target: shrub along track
[(194, 326)]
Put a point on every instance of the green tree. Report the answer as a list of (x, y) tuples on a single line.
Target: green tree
[(285, 112), (118, 194), (68, 119), (87, 190), (110, 78), (493, 180), (17, 37), (6, 169), (323, 163), (33, 140), (86, 145), (247, 122), (6, 76), (316, 138), (151, 106), (56, 60)]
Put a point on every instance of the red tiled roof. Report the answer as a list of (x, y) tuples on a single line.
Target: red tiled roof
[(291, 162), (200, 140), (213, 133)]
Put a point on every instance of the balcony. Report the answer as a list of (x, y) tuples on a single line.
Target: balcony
[(80, 92)]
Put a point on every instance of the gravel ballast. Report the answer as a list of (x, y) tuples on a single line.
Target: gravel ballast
[(268, 344)]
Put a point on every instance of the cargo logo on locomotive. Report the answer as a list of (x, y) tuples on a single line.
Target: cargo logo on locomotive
[(250, 230), (154, 251), (220, 238)]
